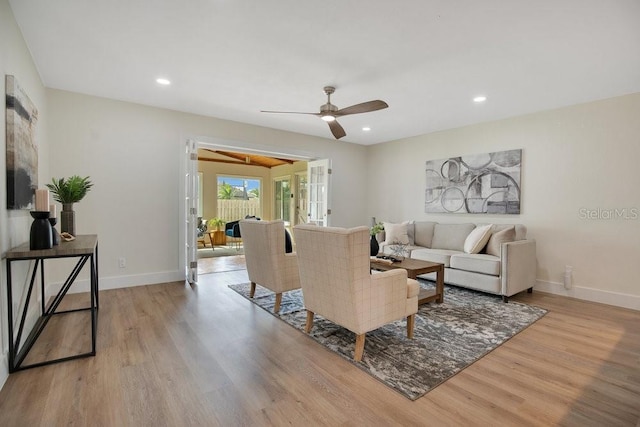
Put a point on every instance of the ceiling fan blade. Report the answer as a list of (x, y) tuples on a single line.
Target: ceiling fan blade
[(365, 107), (288, 112), (336, 129)]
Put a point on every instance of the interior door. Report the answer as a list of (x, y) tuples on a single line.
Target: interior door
[(191, 209), (318, 173)]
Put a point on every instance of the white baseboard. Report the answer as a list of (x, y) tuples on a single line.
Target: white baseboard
[(127, 281), (589, 294)]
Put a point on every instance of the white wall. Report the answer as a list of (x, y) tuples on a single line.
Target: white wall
[(14, 225), (581, 157), (133, 155)]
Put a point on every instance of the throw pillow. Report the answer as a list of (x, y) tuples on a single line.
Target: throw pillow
[(500, 237), (396, 233), (477, 239)]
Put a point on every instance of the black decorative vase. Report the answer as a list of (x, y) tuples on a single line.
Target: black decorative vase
[(56, 236), (68, 219), (375, 247), (41, 236)]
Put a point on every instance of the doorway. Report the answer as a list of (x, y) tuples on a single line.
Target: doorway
[(282, 193)]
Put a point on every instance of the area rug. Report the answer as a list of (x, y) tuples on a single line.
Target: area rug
[(219, 251), (448, 337)]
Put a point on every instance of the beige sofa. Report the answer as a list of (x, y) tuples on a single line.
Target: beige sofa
[(505, 265)]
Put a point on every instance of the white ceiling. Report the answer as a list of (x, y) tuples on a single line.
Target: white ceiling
[(425, 58)]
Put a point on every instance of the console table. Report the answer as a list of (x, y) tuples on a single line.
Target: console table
[(85, 248)]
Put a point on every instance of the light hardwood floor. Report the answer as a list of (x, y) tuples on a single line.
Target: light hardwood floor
[(174, 355)]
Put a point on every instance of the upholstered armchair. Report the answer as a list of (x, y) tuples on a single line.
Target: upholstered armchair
[(267, 263), (337, 283)]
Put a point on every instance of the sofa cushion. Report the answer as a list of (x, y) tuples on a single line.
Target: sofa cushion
[(396, 233), (451, 236), (477, 239), (423, 233), (498, 238), (478, 263), (442, 256), (521, 230)]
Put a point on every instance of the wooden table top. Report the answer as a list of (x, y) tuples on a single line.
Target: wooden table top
[(407, 264), (84, 244)]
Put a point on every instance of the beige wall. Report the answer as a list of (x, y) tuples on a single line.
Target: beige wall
[(134, 155), (580, 157), (14, 225)]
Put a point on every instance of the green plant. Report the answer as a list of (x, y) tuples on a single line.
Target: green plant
[(377, 228), (225, 191), (216, 222), (70, 190)]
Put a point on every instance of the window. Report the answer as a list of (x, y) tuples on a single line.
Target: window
[(238, 197)]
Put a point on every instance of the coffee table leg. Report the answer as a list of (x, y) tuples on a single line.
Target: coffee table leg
[(440, 284)]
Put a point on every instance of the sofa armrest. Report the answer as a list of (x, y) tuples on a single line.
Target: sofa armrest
[(518, 266)]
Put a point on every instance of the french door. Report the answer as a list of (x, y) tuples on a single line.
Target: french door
[(318, 174), (191, 209)]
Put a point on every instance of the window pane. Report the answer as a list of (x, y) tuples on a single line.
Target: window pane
[(238, 197)]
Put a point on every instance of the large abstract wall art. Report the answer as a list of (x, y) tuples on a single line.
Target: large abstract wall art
[(22, 150), (481, 183)]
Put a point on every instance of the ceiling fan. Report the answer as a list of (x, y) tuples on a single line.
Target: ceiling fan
[(329, 112)]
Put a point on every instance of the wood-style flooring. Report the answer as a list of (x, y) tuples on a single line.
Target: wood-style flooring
[(176, 355)]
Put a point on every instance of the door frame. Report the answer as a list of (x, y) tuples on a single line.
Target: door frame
[(228, 145)]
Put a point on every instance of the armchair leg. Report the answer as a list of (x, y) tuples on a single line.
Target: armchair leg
[(411, 321), (252, 292), (359, 347), (309, 324), (276, 307)]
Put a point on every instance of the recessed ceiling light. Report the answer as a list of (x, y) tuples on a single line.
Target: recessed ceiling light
[(366, 129), (479, 99), (162, 81)]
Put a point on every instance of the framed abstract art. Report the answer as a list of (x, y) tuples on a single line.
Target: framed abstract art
[(22, 149), (486, 183)]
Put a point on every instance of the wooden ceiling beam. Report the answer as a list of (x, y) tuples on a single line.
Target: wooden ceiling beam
[(233, 162), (250, 159)]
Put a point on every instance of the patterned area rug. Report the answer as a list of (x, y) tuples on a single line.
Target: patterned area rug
[(447, 337)]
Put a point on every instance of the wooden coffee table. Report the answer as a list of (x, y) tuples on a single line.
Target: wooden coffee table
[(416, 267)]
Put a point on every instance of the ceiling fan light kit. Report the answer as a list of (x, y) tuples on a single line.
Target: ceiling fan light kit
[(329, 112)]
